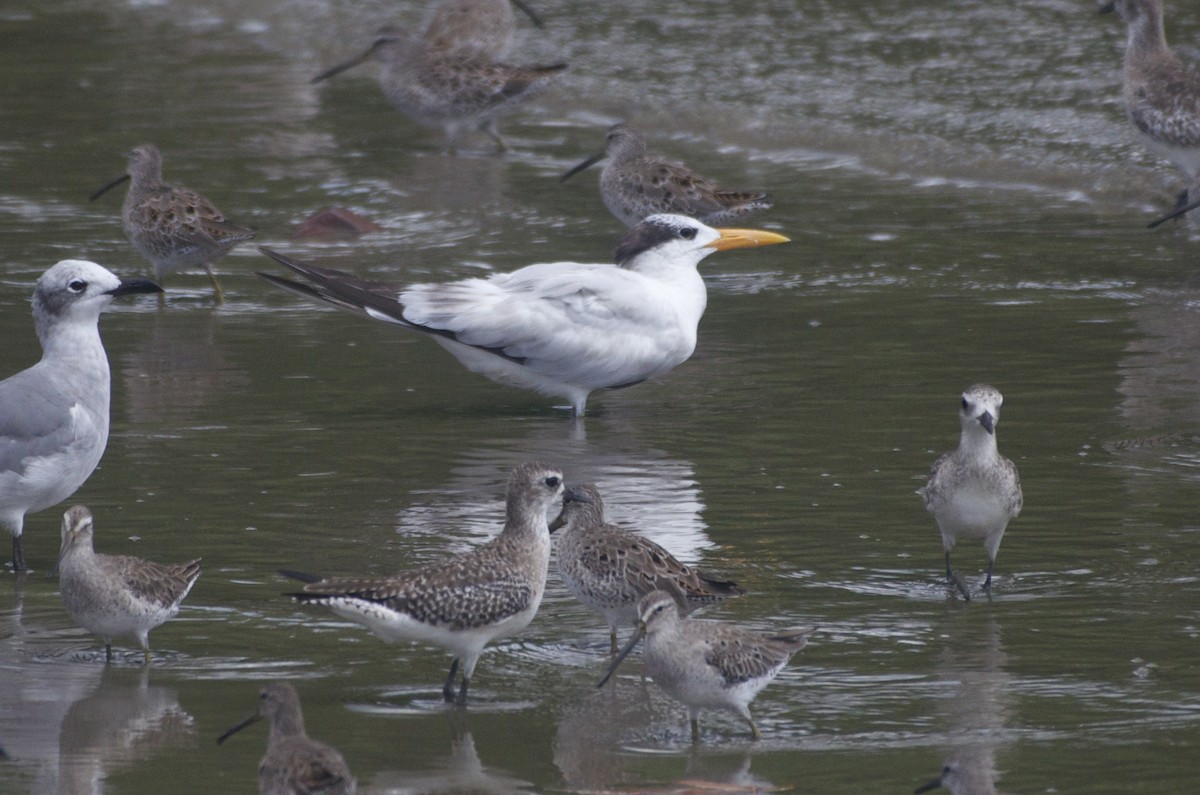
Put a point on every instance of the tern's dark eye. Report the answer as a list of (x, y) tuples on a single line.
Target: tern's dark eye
[(77, 285), (553, 481), (688, 232)]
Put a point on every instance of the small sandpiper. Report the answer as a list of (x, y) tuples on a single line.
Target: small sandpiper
[(448, 91), (294, 764), (974, 491), (1162, 95), (609, 569), (707, 664), (117, 595), (475, 29), (464, 602), (172, 226), (635, 184)]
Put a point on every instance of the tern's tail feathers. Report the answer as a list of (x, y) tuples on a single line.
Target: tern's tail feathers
[(340, 289)]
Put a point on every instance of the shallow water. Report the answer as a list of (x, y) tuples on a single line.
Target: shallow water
[(966, 203)]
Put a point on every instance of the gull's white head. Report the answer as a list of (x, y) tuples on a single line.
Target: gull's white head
[(76, 290), (677, 239), (981, 408)]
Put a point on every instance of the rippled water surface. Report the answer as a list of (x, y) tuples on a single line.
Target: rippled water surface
[(966, 203)]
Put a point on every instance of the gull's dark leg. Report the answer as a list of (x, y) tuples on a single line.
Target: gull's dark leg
[(19, 564)]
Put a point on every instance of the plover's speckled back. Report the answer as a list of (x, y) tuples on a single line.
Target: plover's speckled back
[(172, 226), (448, 91), (635, 184), (560, 328), (54, 415), (117, 595), (1162, 95), (294, 764), (464, 602), (707, 664), (610, 569), (974, 491), (477, 29)]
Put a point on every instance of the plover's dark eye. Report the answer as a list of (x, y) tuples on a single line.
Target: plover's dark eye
[(688, 232), (77, 285), (966, 405), (553, 481)]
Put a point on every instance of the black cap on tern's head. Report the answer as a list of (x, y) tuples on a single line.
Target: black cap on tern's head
[(655, 231), (691, 238)]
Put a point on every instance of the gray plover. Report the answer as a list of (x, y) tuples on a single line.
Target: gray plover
[(707, 664), (464, 602), (475, 29), (609, 569), (294, 764), (1162, 95), (974, 491), (562, 329), (172, 226), (54, 415), (635, 184), (450, 92), (117, 595)]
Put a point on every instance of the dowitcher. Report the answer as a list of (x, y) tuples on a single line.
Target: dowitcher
[(1162, 95), (172, 226), (117, 595), (447, 91), (560, 329), (974, 491), (54, 415), (294, 764), (609, 569), (475, 29), (707, 664), (635, 184), (464, 602)]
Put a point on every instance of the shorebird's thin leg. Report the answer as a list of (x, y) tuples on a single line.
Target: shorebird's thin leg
[(448, 688), (217, 291), (955, 580)]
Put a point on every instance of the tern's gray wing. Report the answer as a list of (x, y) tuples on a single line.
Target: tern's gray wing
[(35, 419)]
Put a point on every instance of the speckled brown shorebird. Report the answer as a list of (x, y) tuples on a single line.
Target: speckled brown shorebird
[(464, 602), (294, 764), (609, 569), (635, 184), (974, 491), (447, 91), (707, 664), (117, 595), (1162, 95), (172, 226)]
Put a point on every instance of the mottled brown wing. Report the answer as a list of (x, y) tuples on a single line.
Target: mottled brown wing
[(1166, 105), (163, 584)]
